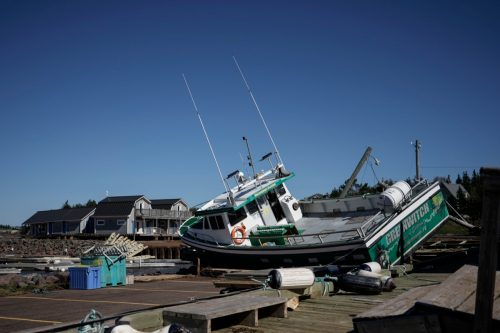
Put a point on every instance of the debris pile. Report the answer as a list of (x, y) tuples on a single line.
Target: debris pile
[(116, 245)]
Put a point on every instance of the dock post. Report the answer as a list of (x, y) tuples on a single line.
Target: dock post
[(490, 228)]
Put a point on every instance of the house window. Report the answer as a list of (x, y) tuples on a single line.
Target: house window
[(120, 222), (100, 222)]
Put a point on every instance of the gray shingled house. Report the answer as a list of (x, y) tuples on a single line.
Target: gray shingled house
[(165, 216), (59, 221), (139, 215), (117, 214)]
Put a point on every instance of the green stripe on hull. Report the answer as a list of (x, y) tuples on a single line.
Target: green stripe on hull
[(415, 226), (188, 224)]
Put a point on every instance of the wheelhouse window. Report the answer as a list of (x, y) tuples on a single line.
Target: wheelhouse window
[(261, 200), (100, 222), (280, 190), (236, 216), (198, 225), (216, 222), (120, 222), (252, 207)]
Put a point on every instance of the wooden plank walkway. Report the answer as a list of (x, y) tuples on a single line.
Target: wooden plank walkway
[(241, 309), (335, 313)]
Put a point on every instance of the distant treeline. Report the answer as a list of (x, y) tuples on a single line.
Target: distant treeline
[(90, 203), (468, 202), (7, 227)]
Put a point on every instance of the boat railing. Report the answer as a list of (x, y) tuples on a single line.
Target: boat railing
[(158, 231), (369, 226), (298, 238)]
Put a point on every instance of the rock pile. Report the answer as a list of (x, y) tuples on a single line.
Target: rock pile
[(36, 282), (27, 247)]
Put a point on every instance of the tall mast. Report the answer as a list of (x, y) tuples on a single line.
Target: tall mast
[(206, 136), (258, 110), (249, 158)]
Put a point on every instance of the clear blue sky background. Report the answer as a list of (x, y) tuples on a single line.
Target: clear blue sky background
[(92, 98)]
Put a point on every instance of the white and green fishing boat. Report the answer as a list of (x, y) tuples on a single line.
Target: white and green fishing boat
[(258, 223)]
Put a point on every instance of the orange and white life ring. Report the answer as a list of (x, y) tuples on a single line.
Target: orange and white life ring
[(238, 234)]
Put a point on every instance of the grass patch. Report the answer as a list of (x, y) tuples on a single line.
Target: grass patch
[(451, 228)]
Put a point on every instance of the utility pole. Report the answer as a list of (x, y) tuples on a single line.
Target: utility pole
[(417, 159)]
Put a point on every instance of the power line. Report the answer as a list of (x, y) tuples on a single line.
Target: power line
[(450, 167)]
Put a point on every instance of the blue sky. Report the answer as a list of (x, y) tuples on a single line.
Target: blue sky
[(92, 97)]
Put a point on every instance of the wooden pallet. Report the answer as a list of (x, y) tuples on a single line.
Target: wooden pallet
[(243, 309)]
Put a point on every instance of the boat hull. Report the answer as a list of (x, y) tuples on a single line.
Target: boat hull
[(277, 256)]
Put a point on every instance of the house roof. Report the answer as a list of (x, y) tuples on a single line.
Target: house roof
[(124, 198), (453, 189), (116, 206), (60, 215), (165, 203)]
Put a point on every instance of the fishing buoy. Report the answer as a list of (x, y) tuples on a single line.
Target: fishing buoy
[(130, 329), (387, 283), (360, 284), (362, 272), (372, 266), (291, 278)]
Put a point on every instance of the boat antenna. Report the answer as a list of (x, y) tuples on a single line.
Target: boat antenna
[(206, 136), (258, 110), (249, 158)]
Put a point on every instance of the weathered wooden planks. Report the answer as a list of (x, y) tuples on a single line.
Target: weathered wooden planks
[(452, 302), (458, 293), (198, 316)]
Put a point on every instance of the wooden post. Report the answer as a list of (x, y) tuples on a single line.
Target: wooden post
[(490, 227)]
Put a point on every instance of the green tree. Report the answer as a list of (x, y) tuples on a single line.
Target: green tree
[(66, 205), (91, 203), (466, 181)]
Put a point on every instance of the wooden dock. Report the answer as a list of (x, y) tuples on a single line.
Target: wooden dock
[(336, 313)]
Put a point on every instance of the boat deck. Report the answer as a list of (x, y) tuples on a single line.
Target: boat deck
[(333, 229)]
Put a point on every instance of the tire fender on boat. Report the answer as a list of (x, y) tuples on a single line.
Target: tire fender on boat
[(238, 234)]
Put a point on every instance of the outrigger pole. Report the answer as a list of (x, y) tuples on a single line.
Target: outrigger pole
[(206, 136), (258, 110)]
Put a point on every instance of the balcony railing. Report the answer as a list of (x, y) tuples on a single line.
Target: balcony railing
[(163, 214), (170, 231)]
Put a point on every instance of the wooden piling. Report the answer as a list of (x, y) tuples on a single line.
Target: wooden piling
[(490, 228)]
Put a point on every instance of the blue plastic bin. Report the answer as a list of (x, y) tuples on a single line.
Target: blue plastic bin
[(84, 277)]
